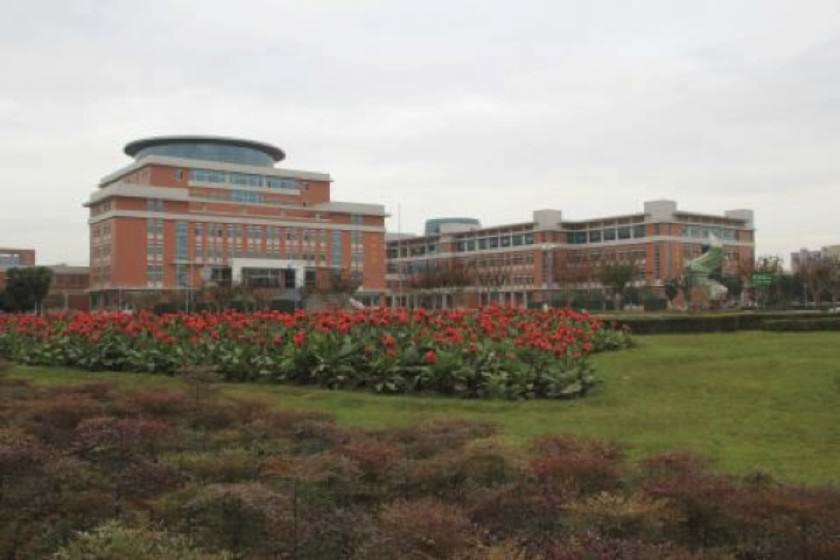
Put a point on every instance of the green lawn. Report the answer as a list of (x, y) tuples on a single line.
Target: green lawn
[(749, 400)]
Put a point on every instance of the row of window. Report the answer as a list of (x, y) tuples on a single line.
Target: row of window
[(245, 179), (607, 234), (490, 243), (701, 232)]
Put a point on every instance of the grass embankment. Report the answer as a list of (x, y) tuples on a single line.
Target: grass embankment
[(749, 400)]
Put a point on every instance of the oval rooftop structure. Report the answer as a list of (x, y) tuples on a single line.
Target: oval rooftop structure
[(435, 226), (207, 148)]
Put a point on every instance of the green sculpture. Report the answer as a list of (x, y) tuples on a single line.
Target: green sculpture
[(699, 269)]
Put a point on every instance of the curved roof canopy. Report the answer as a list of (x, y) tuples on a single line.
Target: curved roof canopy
[(207, 148)]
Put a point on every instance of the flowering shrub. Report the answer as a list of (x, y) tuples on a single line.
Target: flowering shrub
[(130, 481), (489, 353)]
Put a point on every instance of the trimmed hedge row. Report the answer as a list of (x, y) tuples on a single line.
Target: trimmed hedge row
[(730, 322), (822, 324)]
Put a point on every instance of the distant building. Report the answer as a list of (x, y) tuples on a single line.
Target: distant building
[(435, 226), (196, 210), (521, 263), (69, 288), (805, 256), (14, 258)]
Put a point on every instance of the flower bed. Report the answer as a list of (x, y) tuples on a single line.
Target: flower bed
[(493, 352)]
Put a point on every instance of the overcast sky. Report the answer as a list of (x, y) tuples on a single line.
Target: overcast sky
[(480, 108)]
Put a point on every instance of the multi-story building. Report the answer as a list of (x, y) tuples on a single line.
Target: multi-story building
[(69, 288), (806, 256), (530, 262), (195, 210), (14, 258)]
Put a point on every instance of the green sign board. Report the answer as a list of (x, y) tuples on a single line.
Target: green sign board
[(761, 279)]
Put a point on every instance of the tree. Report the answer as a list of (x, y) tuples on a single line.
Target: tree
[(834, 280), (572, 272), (769, 265), (616, 276), (449, 278), (26, 288), (672, 290), (334, 288), (817, 274), (489, 278)]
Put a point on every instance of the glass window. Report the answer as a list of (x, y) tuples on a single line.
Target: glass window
[(245, 179), (209, 152), (493, 242), (482, 244), (624, 233), (577, 237), (638, 231), (595, 236), (505, 241), (528, 239), (517, 240), (208, 176), (282, 183), (609, 234)]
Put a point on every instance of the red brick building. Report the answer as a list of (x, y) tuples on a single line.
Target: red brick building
[(69, 287), (193, 210), (14, 258), (531, 262)]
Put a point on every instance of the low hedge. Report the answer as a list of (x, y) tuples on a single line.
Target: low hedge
[(821, 324), (728, 322)]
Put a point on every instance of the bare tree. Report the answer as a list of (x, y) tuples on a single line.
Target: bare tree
[(572, 271), (616, 275), (491, 276), (334, 288), (817, 275)]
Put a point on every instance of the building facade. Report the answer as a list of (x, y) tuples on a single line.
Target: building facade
[(805, 256), (529, 263), (15, 258), (69, 288), (193, 211)]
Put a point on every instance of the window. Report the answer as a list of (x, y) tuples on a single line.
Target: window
[(577, 237), (609, 234), (337, 250), (493, 242), (208, 176), (638, 231), (505, 241), (624, 233), (246, 196), (595, 236), (245, 179), (281, 183), (517, 240)]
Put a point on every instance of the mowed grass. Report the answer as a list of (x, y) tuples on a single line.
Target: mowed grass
[(749, 400)]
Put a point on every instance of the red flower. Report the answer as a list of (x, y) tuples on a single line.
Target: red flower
[(299, 338), (431, 357)]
